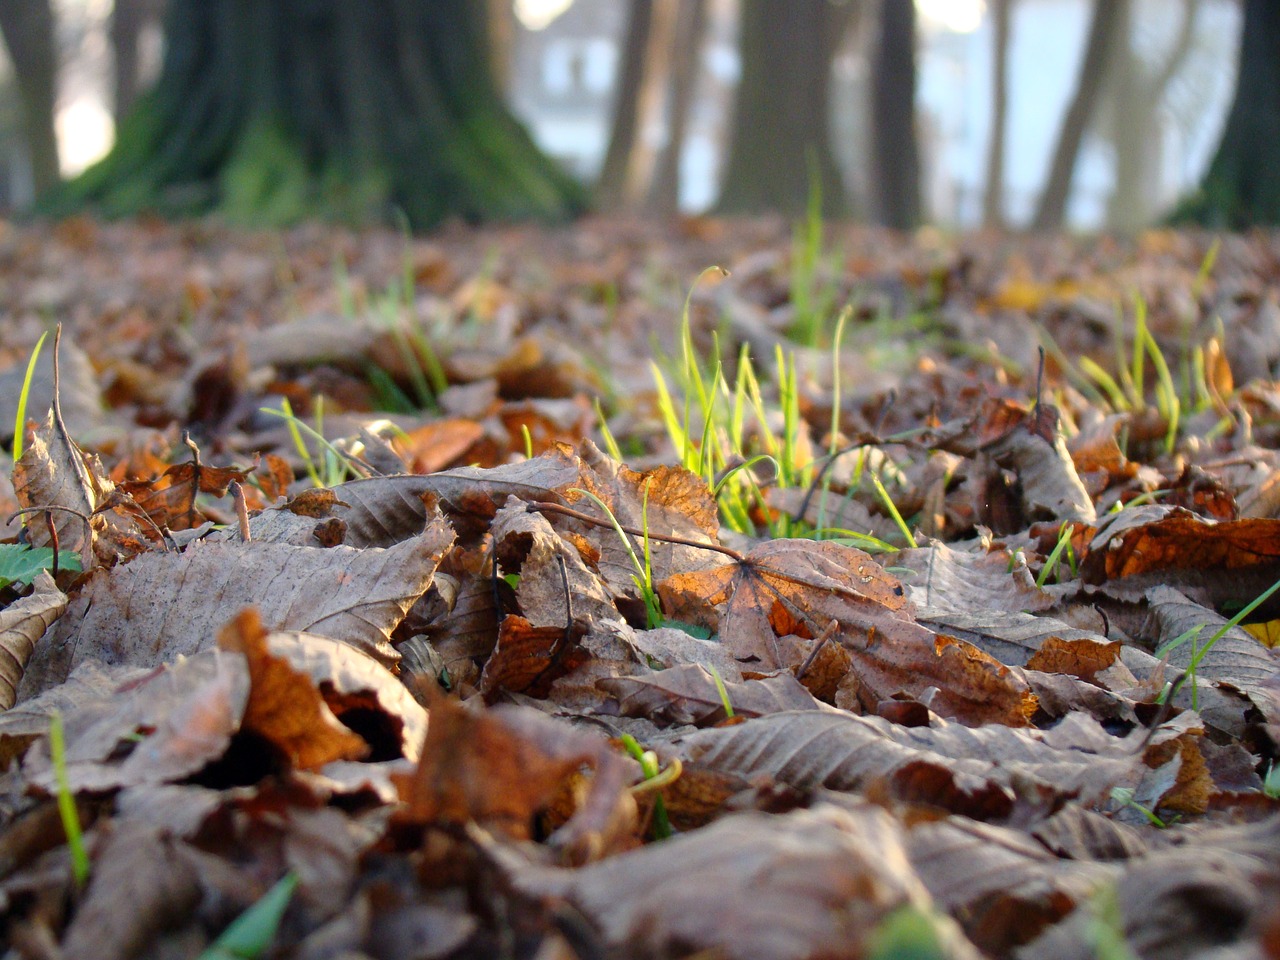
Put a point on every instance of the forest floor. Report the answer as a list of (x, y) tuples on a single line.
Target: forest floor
[(552, 593)]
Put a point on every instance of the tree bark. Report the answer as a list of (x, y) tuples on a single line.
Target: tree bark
[(691, 32), (502, 41), (895, 154), (1137, 91), (128, 19), (1103, 32), (993, 196), (27, 26), (629, 159), (1241, 188), (271, 112), (780, 139)]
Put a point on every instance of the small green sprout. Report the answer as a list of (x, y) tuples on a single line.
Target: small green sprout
[(20, 419), (249, 935), (67, 802), (654, 779)]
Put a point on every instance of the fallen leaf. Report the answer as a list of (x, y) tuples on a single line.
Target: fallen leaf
[(22, 624), (810, 884), (139, 889), (284, 706), (501, 767), (161, 606), (688, 695)]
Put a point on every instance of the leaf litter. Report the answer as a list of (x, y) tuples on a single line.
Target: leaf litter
[(376, 692)]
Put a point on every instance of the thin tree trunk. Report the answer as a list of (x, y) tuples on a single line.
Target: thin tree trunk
[(629, 159), (127, 20), (993, 197), (691, 32), (780, 138), (502, 41), (1103, 32), (895, 152), (27, 26), (1137, 93)]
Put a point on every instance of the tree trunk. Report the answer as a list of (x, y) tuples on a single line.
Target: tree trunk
[(1242, 186), (1137, 91), (780, 139), (128, 18), (270, 112), (1103, 31), (993, 196), (502, 42), (895, 153), (629, 158), (691, 32), (27, 26)]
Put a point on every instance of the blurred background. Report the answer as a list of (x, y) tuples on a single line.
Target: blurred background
[(1090, 114)]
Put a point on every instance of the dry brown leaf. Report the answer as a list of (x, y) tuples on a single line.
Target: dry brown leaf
[(553, 576), (786, 587), (1003, 884), (160, 727), (799, 587), (1236, 658), (1032, 446), (170, 499), (1167, 539), (22, 624), (811, 884), (1037, 643), (284, 706), (139, 889), (954, 581), (55, 473), (528, 659), (688, 694), (969, 770), (502, 766), (1182, 903), (161, 606), (359, 690)]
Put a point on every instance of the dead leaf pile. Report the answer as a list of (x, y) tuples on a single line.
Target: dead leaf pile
[(471, 687)]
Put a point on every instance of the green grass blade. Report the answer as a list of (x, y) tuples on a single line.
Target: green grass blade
[(67, 812), (20, 420), (249, 935)]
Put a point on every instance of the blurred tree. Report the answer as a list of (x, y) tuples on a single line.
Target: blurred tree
[(27, 26), (128, 20), (629, 159), (993, 195), (780, 138), (502, 42), (269, 112), (895, 153), (1136, 90), (686, 55), (1104, 32), (1242, 185)]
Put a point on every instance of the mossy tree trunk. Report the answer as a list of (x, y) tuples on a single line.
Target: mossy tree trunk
[(781, 138), (1242, 186), (270, 112)]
